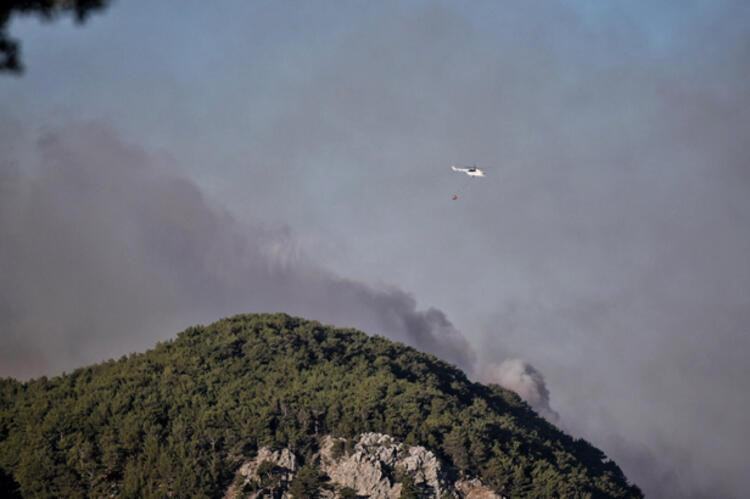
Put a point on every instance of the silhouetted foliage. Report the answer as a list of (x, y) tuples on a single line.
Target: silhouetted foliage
[(185, 415), (9, 488), (46, 9)]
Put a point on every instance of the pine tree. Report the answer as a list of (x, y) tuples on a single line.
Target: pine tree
[(9, 487), (307, 483), (408, 489)]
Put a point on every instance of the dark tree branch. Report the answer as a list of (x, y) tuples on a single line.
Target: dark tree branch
[(10, 49)]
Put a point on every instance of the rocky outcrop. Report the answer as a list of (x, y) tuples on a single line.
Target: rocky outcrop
[(375, 466), (376, 463), (474, 489), (268, 471)]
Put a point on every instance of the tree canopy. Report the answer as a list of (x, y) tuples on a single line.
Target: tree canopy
[(182, 417)]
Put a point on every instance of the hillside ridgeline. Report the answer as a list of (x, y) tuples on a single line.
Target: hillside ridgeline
[(182, 419)]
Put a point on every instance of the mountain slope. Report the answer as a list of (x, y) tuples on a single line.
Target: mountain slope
[(181, 418)]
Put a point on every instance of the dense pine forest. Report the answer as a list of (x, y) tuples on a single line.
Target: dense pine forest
[(179, 419)]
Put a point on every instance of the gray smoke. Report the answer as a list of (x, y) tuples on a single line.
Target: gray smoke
[(521, 377), (106, 248)]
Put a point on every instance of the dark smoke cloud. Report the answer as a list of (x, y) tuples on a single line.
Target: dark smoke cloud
[(106, 248)]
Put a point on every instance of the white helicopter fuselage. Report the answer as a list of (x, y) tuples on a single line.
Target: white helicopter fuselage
[(472, 172)]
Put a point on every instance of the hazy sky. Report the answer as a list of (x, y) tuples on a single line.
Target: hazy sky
[(174, 163)]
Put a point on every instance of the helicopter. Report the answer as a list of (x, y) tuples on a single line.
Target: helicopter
[(471, 171)]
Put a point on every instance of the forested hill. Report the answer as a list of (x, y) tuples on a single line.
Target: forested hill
[(179, 419)]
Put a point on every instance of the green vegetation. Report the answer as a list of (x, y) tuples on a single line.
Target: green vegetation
[(408, 489), (269, 480), (307, 482), (178, 420), (347, 493)]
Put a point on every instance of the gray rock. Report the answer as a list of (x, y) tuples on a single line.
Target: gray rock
[(370, 467), (286, 467), (474, 489)]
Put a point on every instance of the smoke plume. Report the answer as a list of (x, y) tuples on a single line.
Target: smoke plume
[(105, 248), (521, 377)]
